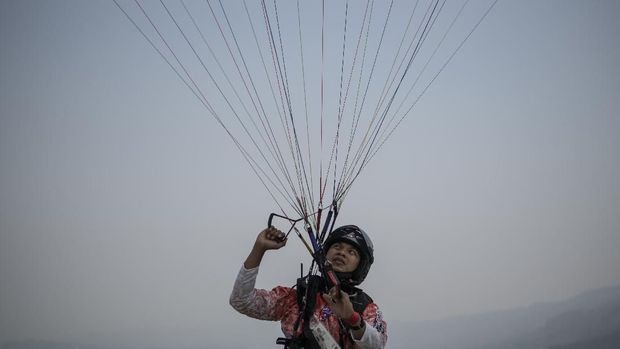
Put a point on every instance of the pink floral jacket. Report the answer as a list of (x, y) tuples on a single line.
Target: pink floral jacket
[(280, 304)]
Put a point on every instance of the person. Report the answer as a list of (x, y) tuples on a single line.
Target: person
[(346, 313)]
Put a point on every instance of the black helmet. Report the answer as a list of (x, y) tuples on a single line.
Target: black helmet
[(355, 236)]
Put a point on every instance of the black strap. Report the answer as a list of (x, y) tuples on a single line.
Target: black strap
[(360, 300), (307, 289)]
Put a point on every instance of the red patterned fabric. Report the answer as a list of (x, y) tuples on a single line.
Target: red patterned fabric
[(280, 304)]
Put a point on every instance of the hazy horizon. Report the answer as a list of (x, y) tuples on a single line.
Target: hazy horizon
[(589, 317)]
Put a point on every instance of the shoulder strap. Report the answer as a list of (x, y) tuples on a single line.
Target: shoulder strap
[(307, 290), (360, 300)]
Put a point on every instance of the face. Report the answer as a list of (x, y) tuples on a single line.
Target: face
[(343, 256)]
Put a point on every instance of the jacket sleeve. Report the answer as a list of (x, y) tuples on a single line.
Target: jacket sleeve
[(257, 303), (375, 334)]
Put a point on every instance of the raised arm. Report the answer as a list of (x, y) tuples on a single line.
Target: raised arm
[(245, 298)]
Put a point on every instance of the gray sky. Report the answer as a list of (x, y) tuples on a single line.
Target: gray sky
[(125, 210)]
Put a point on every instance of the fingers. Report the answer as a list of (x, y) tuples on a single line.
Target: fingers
[(333, 292), (280, 243), (328, 299), (271, 239), (274, 234), (341, 305), (331, 300), (335, 295)]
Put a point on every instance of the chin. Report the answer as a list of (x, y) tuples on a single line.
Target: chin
[(340, 270)]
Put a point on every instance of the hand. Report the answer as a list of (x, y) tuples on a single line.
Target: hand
[(339, 303), (270, 239)]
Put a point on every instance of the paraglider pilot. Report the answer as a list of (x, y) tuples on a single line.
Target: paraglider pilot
[(313, 315)]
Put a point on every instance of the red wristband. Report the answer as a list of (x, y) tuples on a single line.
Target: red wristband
[(354, 319)]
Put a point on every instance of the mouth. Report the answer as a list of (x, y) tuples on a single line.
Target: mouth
[(338, 261)]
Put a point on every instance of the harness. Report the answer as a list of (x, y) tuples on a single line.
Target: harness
[(308, 288)]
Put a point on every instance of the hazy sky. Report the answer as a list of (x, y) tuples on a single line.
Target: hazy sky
[(126, 212)]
